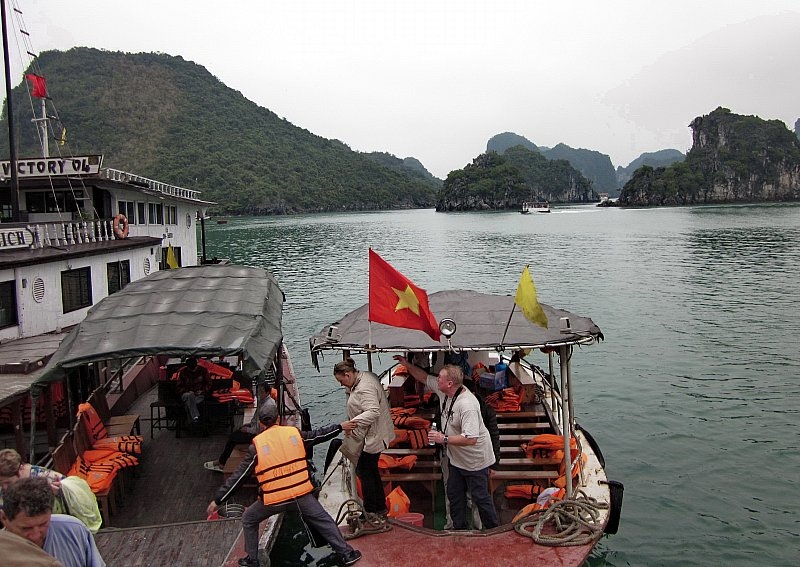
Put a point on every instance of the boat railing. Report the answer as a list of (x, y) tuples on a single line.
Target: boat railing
[(69, 233), (164, 188)]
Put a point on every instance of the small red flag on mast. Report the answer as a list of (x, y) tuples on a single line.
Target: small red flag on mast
[(39, 85)]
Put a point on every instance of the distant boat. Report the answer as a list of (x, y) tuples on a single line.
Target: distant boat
[(222, 221), (535, 207)]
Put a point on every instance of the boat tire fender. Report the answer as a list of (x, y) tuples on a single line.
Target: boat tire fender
[(121, 226), (333, 447), (593, 444), (616, 489)]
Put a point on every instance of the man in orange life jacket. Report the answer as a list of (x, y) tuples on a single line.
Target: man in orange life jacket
[(278, 455)]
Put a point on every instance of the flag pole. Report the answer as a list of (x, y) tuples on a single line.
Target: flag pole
[(508, 323)]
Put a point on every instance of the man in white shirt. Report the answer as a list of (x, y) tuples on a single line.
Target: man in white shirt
[(466, 441)]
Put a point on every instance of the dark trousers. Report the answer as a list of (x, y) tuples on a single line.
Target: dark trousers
[(237, 437), (313, 514), (459, 481), (371, 485)]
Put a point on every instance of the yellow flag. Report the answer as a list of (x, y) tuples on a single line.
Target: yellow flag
[(172, 262), (63, 137), (526, 299)]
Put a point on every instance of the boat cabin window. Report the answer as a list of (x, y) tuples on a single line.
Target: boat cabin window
[(8, 303), (119, 275), (52, 201), (128, 208), (76, 289), (156, 213), (172, 214), (141, 217)]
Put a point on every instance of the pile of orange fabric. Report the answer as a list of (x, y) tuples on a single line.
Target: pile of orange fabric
[(241, 395), (524, 491), (99, 465), (98, 436), (388, 462), (505, 400), (409, 428), (541, 503), (215, 370), (550, 445), (404, 418)]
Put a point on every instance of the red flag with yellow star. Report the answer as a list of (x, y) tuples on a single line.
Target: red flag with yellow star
[(394, 300)]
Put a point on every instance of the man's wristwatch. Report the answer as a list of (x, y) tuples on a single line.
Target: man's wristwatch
[(444, 441)]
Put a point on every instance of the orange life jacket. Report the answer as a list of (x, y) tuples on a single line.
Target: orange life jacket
[(215, 369), (99, 478), (526, 491), (410, 422), (505, 400), (400, 436), (387, 462), (93, 422), (281, 468), (397, 503), (417, 438), (546, 443), (99, 434), (131, 444), (229, 394), (531, 508)]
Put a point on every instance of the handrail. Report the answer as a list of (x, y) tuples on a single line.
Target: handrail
[(68, 233), (165, 188)]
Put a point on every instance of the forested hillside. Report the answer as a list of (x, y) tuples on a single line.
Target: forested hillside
[(494, 181), (167, 118)]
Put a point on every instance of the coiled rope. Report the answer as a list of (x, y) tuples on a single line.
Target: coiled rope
[(574, 522)]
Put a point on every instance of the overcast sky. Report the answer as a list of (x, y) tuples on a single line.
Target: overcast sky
[(435, 79)]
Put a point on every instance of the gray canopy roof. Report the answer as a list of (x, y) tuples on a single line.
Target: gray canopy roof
[(213, 310), (482, 322)]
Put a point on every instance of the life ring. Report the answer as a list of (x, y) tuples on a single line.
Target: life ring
[(120, 226)]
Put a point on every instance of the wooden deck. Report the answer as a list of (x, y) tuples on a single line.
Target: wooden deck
[(161, 519)]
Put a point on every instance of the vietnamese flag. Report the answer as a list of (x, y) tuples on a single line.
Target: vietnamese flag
[(395, 301), (39, 85)]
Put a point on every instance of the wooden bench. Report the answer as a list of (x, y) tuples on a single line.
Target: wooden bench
[(515, 438), (127, 424), (428, 480), (521, 414), (522, 426), (64, 454), (427, 451)]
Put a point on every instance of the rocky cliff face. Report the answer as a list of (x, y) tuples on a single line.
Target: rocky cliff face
[(733, 159)]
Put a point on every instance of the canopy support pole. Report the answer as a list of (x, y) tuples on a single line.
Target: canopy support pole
[(566, 418)]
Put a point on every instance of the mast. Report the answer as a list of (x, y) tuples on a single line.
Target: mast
[(12, 143)]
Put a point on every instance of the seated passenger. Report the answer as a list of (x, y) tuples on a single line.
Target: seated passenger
[(194, 385)]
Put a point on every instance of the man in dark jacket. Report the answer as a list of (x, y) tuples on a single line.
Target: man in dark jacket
[(279, 461)]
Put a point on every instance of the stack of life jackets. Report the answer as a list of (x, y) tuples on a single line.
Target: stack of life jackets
[(99, 465), (236, 393), (550, 445), (409, 428), (505, 400)]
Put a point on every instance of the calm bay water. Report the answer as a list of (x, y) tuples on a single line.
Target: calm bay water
[(694, 396)]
